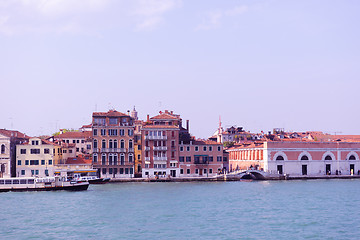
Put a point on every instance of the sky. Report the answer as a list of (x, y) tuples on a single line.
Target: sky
[(259, 64)]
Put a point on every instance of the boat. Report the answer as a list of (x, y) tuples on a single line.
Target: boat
[(41, 184), (82, 175), (90, 179)]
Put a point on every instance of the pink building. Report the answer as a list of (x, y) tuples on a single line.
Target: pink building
[(297, 157), (201, 158)]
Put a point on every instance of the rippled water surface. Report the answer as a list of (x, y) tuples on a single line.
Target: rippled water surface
[(318, 209)]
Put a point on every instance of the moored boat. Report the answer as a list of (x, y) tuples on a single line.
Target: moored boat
[(40, 184)]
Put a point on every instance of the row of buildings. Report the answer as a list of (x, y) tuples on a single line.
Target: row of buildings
[(119, 145)]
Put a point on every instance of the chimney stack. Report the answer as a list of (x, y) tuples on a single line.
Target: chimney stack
[(148, 118), (187, 125)]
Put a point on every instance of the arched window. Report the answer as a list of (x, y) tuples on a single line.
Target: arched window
[(328, 157), (122, 143), (279, 158), (110, 143), (115, 144), (352, 157), (304, 157), (2, 149), (95, 144), (130, 144), (103, 144), (131, 157), (110, 159), (115, 159)]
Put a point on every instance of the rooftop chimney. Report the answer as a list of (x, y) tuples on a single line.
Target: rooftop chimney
[(187, 125), (148, 118)]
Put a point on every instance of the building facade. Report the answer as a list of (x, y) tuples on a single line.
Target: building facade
[(37, 157), (160, 145), (201, 158), (113, 144), (298, 157)]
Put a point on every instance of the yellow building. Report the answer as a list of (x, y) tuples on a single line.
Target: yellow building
[(37, 157)]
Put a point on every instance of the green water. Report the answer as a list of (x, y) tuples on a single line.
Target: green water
[(317, 209)]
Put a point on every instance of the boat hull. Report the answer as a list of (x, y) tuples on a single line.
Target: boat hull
[(76, 187)]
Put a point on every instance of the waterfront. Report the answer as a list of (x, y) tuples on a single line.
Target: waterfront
[(312, 209)]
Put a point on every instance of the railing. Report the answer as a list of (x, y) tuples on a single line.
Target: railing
[(147, 148), (162, 148), (147, 158), (160, 158), (201, 162), (117, 150), (156, 137), (95, 150), (131, 150)]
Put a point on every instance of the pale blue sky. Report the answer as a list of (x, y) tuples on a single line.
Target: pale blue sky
[(259, 64)]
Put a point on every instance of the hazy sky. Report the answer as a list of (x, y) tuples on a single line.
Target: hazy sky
[(259, 64)]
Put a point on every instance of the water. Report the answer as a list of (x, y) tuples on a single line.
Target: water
[(318, 209)]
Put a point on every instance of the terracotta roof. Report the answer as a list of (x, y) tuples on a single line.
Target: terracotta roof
[(85, 134), (110, 113), (13, 133), (87, 126), (166, 116), (160, 126), (204, 142), (81, 159)]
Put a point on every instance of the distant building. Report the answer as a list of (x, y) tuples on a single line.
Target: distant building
[(160, 145), (8, 141), (81, 139), (296, 158), (201, 158), (37, 157), (113, 144)]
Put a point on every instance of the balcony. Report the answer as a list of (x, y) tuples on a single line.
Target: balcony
[(113, 150), (200, 162), (131, 150), (147, 148), (160, 158), (95, 150), (147, 158), (155, 137), (160, 148)]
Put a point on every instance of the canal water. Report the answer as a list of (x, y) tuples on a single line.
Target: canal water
[(312, 209)]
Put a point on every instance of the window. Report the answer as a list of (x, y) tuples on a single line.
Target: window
[(42, 162), (205, 171), (104, 170), (196, 148), (35, 151), (103, 132), (188, 171), (77, 141), (188, 159), (211, 159), (46, 172), (196, 159), (188, 149), (113, 121), (181, 171), (122, 143), (74, 141), (22, 151), (130, 132), (37, 172), (219, 158), (181, 149), (99, 121), (130, 144), (77, 149), (304, 157), (95, 143), (122, 159), (279, 158), (196, 171), (210, 170), (64, 151), (139, 157), (121, 132), (328, 157), (181, 159), (204, 148), (131, 170), (35, 142), (22, 172), (19, 162), (34, 162), (352, 157), (82, 141), (103, 143), (219, 148), (70, 150), (225, 159), (103, 159), (50, 162), (110, 159), (126, 171), (110, 170), (121, 171), (115, 159), (95, 158), (112, 132), (26, 162), (210, 148), (130, 158)]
